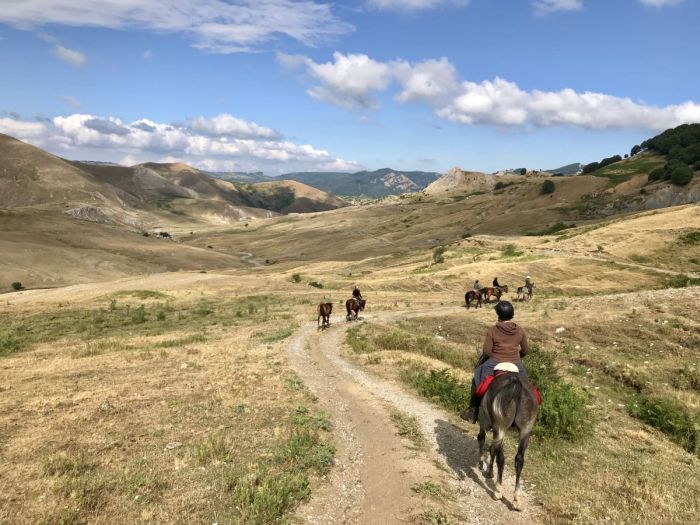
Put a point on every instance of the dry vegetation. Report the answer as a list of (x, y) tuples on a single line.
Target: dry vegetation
[(168, 397)]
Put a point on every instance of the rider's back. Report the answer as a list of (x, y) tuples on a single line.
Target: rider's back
[(506, 342)]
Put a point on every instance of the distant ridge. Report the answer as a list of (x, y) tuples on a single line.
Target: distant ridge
[(378, 183)]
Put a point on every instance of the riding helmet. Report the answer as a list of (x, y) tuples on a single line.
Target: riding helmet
[(505, 310)]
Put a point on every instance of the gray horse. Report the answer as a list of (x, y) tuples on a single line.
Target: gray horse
[(510, 400)]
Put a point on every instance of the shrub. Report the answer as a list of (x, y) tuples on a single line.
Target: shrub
[(547, 187), (672, 418), (138, 316), (438, 385), (692, 237), (635, 150), (316, 284), (438, 255), (681, 175), (682, 281), (16, 285), (657, 174), (696, 165), (500, 185), (563, 412), (296, 278), (522, 171), (509, 250)]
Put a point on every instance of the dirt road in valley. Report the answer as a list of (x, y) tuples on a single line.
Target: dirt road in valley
[(376, 471)]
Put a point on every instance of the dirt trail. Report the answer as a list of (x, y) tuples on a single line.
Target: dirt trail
[(374, 472)]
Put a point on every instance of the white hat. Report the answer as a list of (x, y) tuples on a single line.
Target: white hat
[(527, 277)]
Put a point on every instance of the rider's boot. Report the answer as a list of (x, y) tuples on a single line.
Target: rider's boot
[(471, 413)]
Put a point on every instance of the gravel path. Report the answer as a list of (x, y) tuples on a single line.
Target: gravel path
[(372, 478)]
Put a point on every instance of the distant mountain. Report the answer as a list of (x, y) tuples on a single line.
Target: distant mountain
[(377, 183), (257, 176), (569, 169)]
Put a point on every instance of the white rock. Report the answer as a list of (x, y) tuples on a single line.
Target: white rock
[(560, 330)]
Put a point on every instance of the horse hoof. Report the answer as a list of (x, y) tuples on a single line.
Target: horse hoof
[(497, 495), (517, 505)]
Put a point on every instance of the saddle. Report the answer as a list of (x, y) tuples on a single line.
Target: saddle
[(499, 370)]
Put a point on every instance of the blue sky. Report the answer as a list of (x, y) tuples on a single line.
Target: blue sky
[(286, 85)]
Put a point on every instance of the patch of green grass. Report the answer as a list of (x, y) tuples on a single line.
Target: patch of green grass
[(266, 492), (641, 259), (691, 237), (212, 449), (280, 334), (141, 294), (407, 426), (671, 417), (553, 229), (624, 170), (434, 517), (10, 340), (181, 341), (687, 378), (509, 250), (430, 489), (438, 385), (316, 284), (682, 281)]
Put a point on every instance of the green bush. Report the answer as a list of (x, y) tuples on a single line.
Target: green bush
[(692, 237), (9, 341), (683, 281), (296, 278), (672, 418), (681, 175), (439, 255), (657, 174), (509, 250), (316, 284), (16, 285), (438, 385), (547, 187), (563, 412)]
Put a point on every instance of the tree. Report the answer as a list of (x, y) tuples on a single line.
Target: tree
[(681, 175), (590, 168), (522, 171), (635, 149), (16, 285), (547, 187)]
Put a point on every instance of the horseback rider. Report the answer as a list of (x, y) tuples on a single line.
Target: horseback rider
[(505, 342), (356, 293), (477, 288), (495, 284)]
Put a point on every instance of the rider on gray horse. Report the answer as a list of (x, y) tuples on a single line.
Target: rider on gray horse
[(505, 342)]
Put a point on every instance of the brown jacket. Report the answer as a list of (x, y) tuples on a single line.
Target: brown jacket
[(505, 342)]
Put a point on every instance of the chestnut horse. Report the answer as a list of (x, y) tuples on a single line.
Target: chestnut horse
[(496, 292), (354, 306), (324, 312)]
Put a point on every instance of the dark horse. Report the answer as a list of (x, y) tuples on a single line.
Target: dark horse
[(473, 295), (354, 306), (496, 292), (510, 400), (324, 312)]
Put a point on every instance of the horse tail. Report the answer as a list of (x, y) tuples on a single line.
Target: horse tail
[(510, 392)]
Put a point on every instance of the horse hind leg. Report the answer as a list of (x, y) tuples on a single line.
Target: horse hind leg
[(481, 439), (519, 462)]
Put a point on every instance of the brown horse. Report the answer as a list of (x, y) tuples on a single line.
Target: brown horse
[(353, 307), (324, 312), (510, 400), (473, 295)]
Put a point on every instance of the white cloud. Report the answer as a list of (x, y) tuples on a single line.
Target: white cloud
[(352, 81), (349, 81), (661, 3), (413, 5), (221, 143), (549, 6), (71, 56), (227, 125), (218, 26)]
